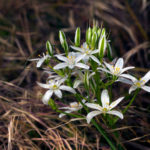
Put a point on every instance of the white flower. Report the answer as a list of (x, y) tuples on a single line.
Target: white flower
[(138, 83), (74, 106), (105, 108), (71, 61), (41, 60), (82, 78), (87, 52), (54, 86), (116, 69)]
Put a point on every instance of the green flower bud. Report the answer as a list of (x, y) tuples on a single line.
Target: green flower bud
[(49, 48), (77, 37), (63, 41), (88, 35), (94, 40), (109, 52)]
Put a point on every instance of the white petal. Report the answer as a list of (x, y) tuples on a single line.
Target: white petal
[(62, 115), (129, 77), (146, 78), (95, 59), (60, 66), (132, 88), (77, 48), (91, 115), (95, 51), (110, 67), (105, 70), (67, 88), (123, 80), (47, 96), (34, 59), (119, 63), (58, 93), (116, 113), (77, 83), (46, 86), (105, 98), (80, 57), (81, 65), (94, 106), (62, 58), (116, 102), (40, 62), (146, 88), (127, 68)]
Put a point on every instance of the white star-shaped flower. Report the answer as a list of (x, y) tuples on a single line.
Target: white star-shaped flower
[(74, 106), (40, 60), (54, 86), (87, 52), (116, 69), (138, 83), (105, 108), (71, 61)]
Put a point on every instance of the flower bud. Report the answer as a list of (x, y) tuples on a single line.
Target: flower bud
[(77, 37), (52, 104), (88, 35), (109, 52), (63, 41), (94, 40), (49, 48)]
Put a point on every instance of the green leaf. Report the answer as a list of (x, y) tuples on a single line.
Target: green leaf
[(109, 52), (49, 48), (52, 104)]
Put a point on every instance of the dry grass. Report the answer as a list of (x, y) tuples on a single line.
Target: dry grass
[(25, 26)]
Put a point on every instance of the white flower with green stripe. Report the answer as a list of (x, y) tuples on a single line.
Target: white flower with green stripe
[(138, 83), (116, 69), (54, 86), (105, 108)]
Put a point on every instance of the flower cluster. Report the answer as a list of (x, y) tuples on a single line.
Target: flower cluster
[(79, 71)]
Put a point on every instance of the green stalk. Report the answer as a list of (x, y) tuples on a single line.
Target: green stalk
[(102, 132)]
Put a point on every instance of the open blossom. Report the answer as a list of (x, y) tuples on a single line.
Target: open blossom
[(138, 83), (105, 108), (41, 60), (87, 52), (54, 86), (71, 61), (74, 106), (116, 69)]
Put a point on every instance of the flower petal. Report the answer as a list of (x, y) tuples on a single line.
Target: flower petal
[(127, 68), (132, 88), (77, 48), (146, 88), (58, 93), (124, 80), (77, 83), (105, 98), (105, 70), (62, 115), (60, 66), (81, 65), (67, 88), (129, 77), (116, 113), (47, 96), (119, 63), (146, 78), (62, 58), (40, 62), (91, 115), (80, 57), (95, 59), (95, 51), (110, 67), (94, 106), (46, 86), (116, 102)]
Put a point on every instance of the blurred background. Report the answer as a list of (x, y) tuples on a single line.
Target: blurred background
[(25, 26)]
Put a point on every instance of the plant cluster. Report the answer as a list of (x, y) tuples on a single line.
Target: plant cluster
[(84, 71)]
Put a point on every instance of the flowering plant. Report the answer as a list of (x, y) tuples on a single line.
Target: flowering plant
[(83, 72)]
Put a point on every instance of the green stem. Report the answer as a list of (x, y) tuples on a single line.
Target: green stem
[(102, 132)]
